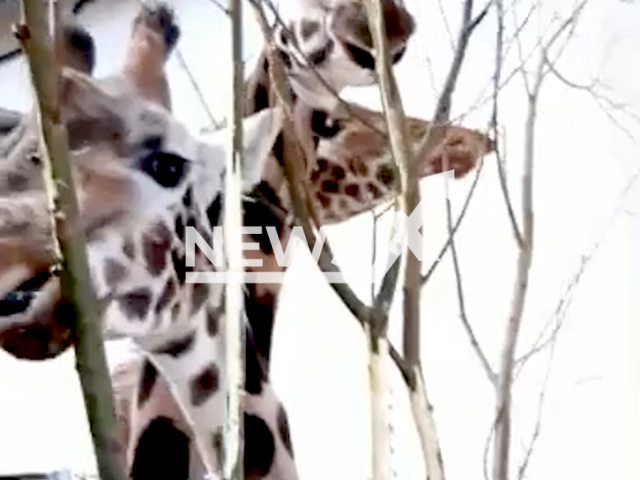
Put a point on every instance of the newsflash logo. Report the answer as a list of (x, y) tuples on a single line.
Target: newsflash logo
[(407, 232)]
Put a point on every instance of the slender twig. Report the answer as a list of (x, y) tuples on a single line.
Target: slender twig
[(221, 7), (427, 276), (33, 34), (215, 124), (522, 469), (502, 437), (475, 344), (443, 108), (545, 340), (234, 433), (494, 123)]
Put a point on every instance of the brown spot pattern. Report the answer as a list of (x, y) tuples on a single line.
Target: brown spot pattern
[(128, 248), (353, 190), (168, 292), (199, 294), (308, 28), (135, 304), (213, 320), (385, 174), (283, 429), (216, 440), (324, 200), (375, 191), (147, 381), (330, 186), (323, 165), (155, 246), (114, 272), (337, 172), (205, 384), (179, 347), (175, 311)]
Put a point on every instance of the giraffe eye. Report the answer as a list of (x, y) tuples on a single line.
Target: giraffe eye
[(324, 126), (166, 169)]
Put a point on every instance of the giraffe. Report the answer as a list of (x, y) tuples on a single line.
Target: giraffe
[(141, 178), (350, 173), (337, 134)]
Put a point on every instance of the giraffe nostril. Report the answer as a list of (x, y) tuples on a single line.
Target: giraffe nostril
[(361, 56)]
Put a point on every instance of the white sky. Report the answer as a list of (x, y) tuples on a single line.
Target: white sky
[(591, 422)]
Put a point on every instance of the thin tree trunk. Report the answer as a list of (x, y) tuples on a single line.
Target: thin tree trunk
[(409, 200), (33, 33), (234, 441), (381, 452), (502, 440)]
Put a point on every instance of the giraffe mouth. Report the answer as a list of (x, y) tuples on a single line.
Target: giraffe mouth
[(364, 58)]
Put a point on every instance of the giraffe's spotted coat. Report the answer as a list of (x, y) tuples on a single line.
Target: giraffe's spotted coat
[(167, 294), (178, 347), (135, 304), (155, 247), (114, 272), (204, 384)]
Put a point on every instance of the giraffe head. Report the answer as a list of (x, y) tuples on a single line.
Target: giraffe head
[(327, 43), (141, 179), (349, 164)]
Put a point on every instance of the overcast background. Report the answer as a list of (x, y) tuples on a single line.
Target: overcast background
[(591, 420)]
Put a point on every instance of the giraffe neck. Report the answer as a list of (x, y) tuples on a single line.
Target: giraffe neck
[(338, 192)]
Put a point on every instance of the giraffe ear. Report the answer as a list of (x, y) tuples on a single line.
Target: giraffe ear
[(260, 131), (80, 96), (77, 50), (9, 120)]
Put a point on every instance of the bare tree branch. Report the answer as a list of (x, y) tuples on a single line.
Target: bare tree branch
[(544, 339), (408, 200), (502, 437), (491, 375), (33, 34), (494, 122), (443, 107), (196, 87), (233, 467), (505, 380)]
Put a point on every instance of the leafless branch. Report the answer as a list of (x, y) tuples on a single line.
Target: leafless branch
[(491, 375), (222, 8), (233, 467), (33, 34), (494, 123), (443, 108), (427, 276), (502, 437), (505, 380), (522, 469), (215, 124), (408, 200), (544, 339)]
